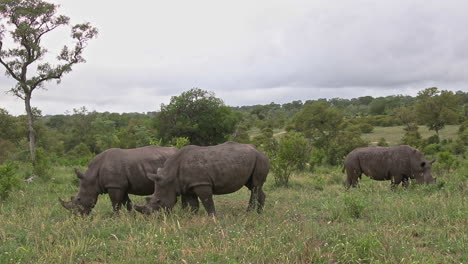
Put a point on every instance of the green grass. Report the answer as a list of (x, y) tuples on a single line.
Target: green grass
[(313, 221), (394, 134)]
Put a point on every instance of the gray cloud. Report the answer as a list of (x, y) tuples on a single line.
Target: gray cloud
[(258, 52)]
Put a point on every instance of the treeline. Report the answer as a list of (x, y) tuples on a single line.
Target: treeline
[(380, 111), (199, 117)]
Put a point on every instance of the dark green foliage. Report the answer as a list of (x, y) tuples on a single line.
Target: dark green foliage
[(8, 179), (180, 142), (436, 108), (42, 166), (412, 136), (432, 149), (355, 204), (197, 115), (241, 134), (434, 139), (382, 142), (377, 106), (10, 129), (446, 161), (366, 128), (326, 128), (290, 154)]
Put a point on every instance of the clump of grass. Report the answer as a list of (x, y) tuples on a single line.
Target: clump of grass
[(355, 204)]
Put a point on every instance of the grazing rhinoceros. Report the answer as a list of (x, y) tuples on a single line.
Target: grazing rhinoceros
[(118, 172), (397, 164), (199, 172)]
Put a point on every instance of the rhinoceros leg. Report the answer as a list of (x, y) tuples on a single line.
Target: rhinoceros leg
[(192, 201), (117, 197), (396, 181), (127, 202), (405, 182), (257, 199), (353, 175), (206, 196)]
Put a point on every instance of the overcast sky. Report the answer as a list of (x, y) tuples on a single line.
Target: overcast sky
[(255, 52)]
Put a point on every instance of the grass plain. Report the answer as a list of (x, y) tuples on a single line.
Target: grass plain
[(314, 220), (393, 135)]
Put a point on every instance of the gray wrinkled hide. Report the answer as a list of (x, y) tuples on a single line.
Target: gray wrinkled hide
[(119, 172), (397, 164), (199, 172)]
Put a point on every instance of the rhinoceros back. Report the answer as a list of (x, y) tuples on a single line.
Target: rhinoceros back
[(128, 168), (226, 167)]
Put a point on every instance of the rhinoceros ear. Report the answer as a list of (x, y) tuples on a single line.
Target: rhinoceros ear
[(154, 177), (79, 174)]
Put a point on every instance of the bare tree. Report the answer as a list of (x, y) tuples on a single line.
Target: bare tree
[(28, 21)]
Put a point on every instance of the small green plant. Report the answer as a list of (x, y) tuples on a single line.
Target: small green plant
[(354, 205), (382, 142), (42, 165), (366, 128), (8, 179), (446, 161), (180, 142), (292, 153), (156, 141), (432, 149)]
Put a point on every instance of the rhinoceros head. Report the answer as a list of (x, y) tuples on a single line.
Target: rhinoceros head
[(84, 202), (165, 193), (424, 174)]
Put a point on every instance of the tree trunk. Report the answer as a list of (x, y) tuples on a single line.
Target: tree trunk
[(32, 133)]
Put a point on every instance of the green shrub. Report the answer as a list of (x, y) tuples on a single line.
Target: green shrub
[(382, 142), (291, 154), (431, 149), (446, 161), (42, 165), (180, 142), (156, 141), (8, 179), (79, 151), (354, 205), (366, 128), (434, 139), (458, 147), (412, 138)]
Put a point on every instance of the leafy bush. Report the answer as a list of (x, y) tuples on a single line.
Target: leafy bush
[(79, 151), (434, 139), (180, 142), (7, 148), (354, 205), (412, 138), (292, 152), (382, 142), (446, 161), (431, 149), (366, 128), (42, 165), (8, 179), (241, 134)]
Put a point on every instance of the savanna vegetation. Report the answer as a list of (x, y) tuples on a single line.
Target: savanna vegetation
[(308, 218)]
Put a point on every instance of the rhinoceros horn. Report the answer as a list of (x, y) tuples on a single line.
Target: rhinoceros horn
[(67, 205)]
